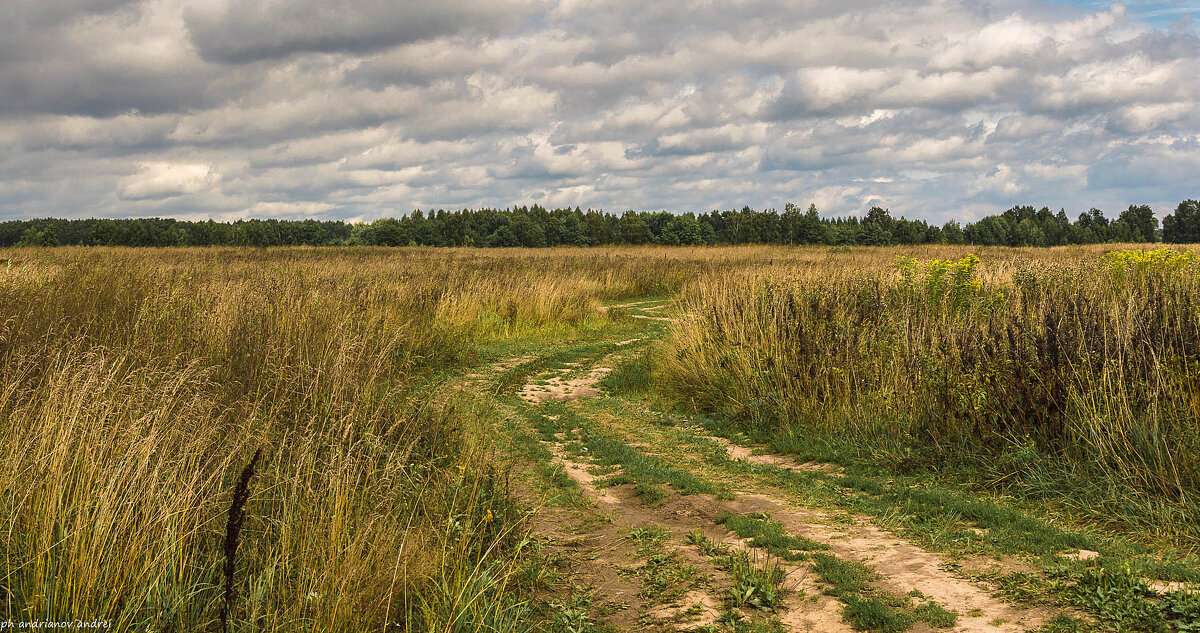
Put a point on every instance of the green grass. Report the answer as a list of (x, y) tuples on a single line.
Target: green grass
[(520, 374), (770, 535), (985, 375), (1119, 600), (1062, 623), (648, 539), (706, 545), (937, 515), (530, 455), (935, 615), (650, 494), (630, 377), (1114, 594)]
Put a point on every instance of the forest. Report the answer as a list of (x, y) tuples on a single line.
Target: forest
[(536, 226)]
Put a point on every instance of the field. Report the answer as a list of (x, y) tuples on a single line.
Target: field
[(605, 439)]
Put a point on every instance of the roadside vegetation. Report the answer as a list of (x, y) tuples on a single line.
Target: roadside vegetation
[(1071, 378)]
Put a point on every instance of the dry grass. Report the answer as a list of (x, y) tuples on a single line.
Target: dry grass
[(1039, 368), (138, 384)]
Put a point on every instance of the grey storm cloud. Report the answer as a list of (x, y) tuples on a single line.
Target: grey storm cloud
[(355, 110), (239, 31)]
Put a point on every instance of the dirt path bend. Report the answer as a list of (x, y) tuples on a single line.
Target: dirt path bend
[(649, 541)]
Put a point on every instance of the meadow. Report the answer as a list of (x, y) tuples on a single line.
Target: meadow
[(280, 439)]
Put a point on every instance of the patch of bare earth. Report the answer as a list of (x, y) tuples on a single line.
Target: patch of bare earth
[(509, 363), (645, 311), (654, 318), (745, 453), (565, 384), (563, 387), (635, 305), (1167, 586), (590, 553), (904, 566)]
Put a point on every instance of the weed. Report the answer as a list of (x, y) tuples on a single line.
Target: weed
[(650, 494), (1062, 623), (233, 531), (1054, 379), (630, 377), (872, 614), (706, 545), (573, 615), (935, 615), (757, 583), (141, 374), (648, 540), (1182, 610), (1117, 599), (664, 577)]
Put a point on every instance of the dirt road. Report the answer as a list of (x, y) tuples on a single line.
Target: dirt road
[(648, 522)]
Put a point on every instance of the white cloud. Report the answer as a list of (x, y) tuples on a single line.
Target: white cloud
[(167, 180)]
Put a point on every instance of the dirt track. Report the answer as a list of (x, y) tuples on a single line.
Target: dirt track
[(593, 549)]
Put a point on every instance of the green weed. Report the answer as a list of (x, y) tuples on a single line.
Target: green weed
[(757, 582)]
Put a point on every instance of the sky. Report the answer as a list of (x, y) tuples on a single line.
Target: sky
[(360, 109)]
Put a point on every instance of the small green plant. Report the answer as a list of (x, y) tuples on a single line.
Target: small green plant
[(757, 582), (649, 493), (1117, 598), (935, 615), (869, 608), (873, 614), (1062, 623), (630, 377), (573, 615), (648, 539), (1182, 610), (664, 577), (706, 545)]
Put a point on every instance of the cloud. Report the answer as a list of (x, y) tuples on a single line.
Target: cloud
[(156, 181), (359, 109), (238, 31)]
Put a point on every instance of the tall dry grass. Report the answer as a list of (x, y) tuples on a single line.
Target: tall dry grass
[(135, 386), (1059, 370)]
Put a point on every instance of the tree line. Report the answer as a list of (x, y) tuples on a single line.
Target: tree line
[(537, 226)]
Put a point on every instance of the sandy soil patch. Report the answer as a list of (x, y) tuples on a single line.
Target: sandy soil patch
[(561, 388), (746, 453)]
